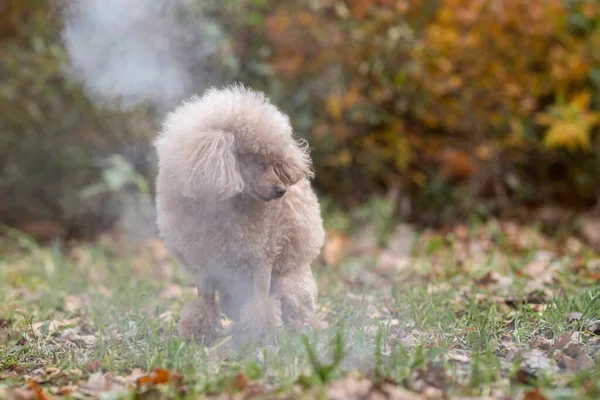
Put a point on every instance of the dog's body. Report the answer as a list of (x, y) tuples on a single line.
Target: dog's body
[(236, 208)]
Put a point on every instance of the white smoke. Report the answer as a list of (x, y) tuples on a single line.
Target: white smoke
[(129, 52)]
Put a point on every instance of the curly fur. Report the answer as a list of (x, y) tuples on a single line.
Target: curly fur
[(225, 158)]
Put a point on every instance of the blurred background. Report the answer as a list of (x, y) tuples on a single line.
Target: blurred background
[(425, 111)]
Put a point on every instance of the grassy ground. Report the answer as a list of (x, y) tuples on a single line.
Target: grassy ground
[(489, 310)]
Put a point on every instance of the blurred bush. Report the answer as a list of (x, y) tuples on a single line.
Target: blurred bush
[(462, 105), (453, 106), (52, 138)]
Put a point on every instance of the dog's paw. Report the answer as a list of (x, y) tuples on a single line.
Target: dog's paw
[(258, 318), (201, 322)]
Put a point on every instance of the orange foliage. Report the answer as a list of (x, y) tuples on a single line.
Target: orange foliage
[(406, 90)]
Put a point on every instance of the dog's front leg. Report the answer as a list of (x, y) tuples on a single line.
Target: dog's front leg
[(263, 312), (200, 319), (261, 283)]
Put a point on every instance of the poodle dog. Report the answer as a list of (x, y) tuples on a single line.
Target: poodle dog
[(236, 209)]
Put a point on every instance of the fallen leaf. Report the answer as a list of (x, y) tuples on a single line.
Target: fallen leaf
[(349, 387), (156, 377), (67, 390), (96, 383), (594, 327), (574, 316), (590, 230), (133, 377), (100, 383), (388, 389), (5, 325), (93, 365), (53, 326), (390, 265), (35, 388), (166, 317), (254, 390), (540, 271), (74, 303), (534, 360), (23, 394), (583, 362), (534, 394), (574, 349), (540, 342), (562, 341), (74, 336), (459, 355), (564, 361), (333, 250), (18, 369), (457, 164), (240, 381)]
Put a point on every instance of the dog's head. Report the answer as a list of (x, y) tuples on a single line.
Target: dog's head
[(228, 142), (269, 173)]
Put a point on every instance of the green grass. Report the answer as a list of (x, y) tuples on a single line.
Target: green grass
[(463, 318)]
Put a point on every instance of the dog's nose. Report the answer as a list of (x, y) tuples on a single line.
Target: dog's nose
[(279, 191)]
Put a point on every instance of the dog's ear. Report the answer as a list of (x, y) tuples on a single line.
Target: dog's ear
[(297, 164), (203, 164)]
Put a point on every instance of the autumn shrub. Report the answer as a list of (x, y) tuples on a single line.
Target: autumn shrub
[(452, 102)]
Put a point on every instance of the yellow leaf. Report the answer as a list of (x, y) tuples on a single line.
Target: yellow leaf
[(483, 152), (334, 106)]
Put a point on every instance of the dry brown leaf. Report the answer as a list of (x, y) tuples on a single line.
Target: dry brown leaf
[(99, 383), (494, 277), (133, 377), (457, 164), (54, 326), (562, 341), (333, 250), (23, 394), (74, 335), (93, 365), (74, 303), (459, 355), (35, 388), (583, 361), (534, 394), (96, 383), (240, 381), (564, 361), (590, 230), (540, 342), (390, 264), (67, 390), (391, 391), (540, 271), (349, 387), (166, 317), (574, 316), (156, 377), (594, 327), (5, 325), (534, 360)]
